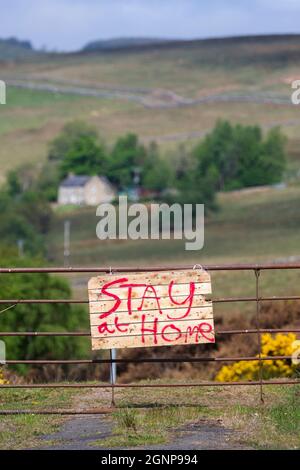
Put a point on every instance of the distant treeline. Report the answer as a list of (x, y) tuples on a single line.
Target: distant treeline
[(15, 49), (230, 157), (17, 42)]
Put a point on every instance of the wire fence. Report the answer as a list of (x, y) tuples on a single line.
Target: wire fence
[(258, 331)]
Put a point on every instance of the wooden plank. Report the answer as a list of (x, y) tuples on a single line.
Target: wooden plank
[(153, 278), (148, 304), (150, 309), (170, 314), (135, 328), (169, 338), (161, 291)]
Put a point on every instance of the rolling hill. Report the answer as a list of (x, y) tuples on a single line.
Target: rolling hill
[(121, 43), (171, 92)]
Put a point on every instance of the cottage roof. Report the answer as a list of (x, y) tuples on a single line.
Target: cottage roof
[(74, 181)]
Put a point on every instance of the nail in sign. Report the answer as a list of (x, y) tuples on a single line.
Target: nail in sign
[(151, 309)]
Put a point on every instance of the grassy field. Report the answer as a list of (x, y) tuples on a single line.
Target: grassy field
[(187, 68), (276, 424), (31, 118), (157, 417), (249, 227), (26, 431)]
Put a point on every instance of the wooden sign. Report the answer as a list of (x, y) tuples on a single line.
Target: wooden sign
[(150, 309)]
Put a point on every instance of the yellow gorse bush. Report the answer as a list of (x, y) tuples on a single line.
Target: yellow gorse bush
[(279, 345), (3, 381)]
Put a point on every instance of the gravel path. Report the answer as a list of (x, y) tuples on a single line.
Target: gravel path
[(78, 433), (82, 432)]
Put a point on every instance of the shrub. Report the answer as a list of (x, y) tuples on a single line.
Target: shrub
[(39, 317), (3, 381), (278, 345)]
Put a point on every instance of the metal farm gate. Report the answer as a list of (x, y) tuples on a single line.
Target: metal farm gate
[(256, 269)]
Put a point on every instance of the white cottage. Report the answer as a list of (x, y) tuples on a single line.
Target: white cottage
[(85, 190)]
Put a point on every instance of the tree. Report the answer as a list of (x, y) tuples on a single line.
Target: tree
[(85, 157), (38, 317), (274, 159), (198, 188), (36, 210), (61, 145), (127, 155), (25, 214), (156, 172), (14, 187), (246, 152), (76, 149), (48, 181), (239, 157), (15, 227), (182, 161), (213, 154)]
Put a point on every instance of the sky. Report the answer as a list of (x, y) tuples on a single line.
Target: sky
[(67, 25)]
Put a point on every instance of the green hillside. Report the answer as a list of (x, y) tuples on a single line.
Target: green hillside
[(250, 226), (170, 92)]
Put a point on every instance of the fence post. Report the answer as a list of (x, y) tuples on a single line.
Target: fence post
[(113, 374), (67, 229), (113, 367), (257, 274)]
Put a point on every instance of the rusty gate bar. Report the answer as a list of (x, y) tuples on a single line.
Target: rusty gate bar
[(87, 333), (256, 268), (146, 360), (130, 269), (147, 385), (85, 301)]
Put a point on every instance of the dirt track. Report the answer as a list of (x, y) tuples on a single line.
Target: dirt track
[(83, 433)]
